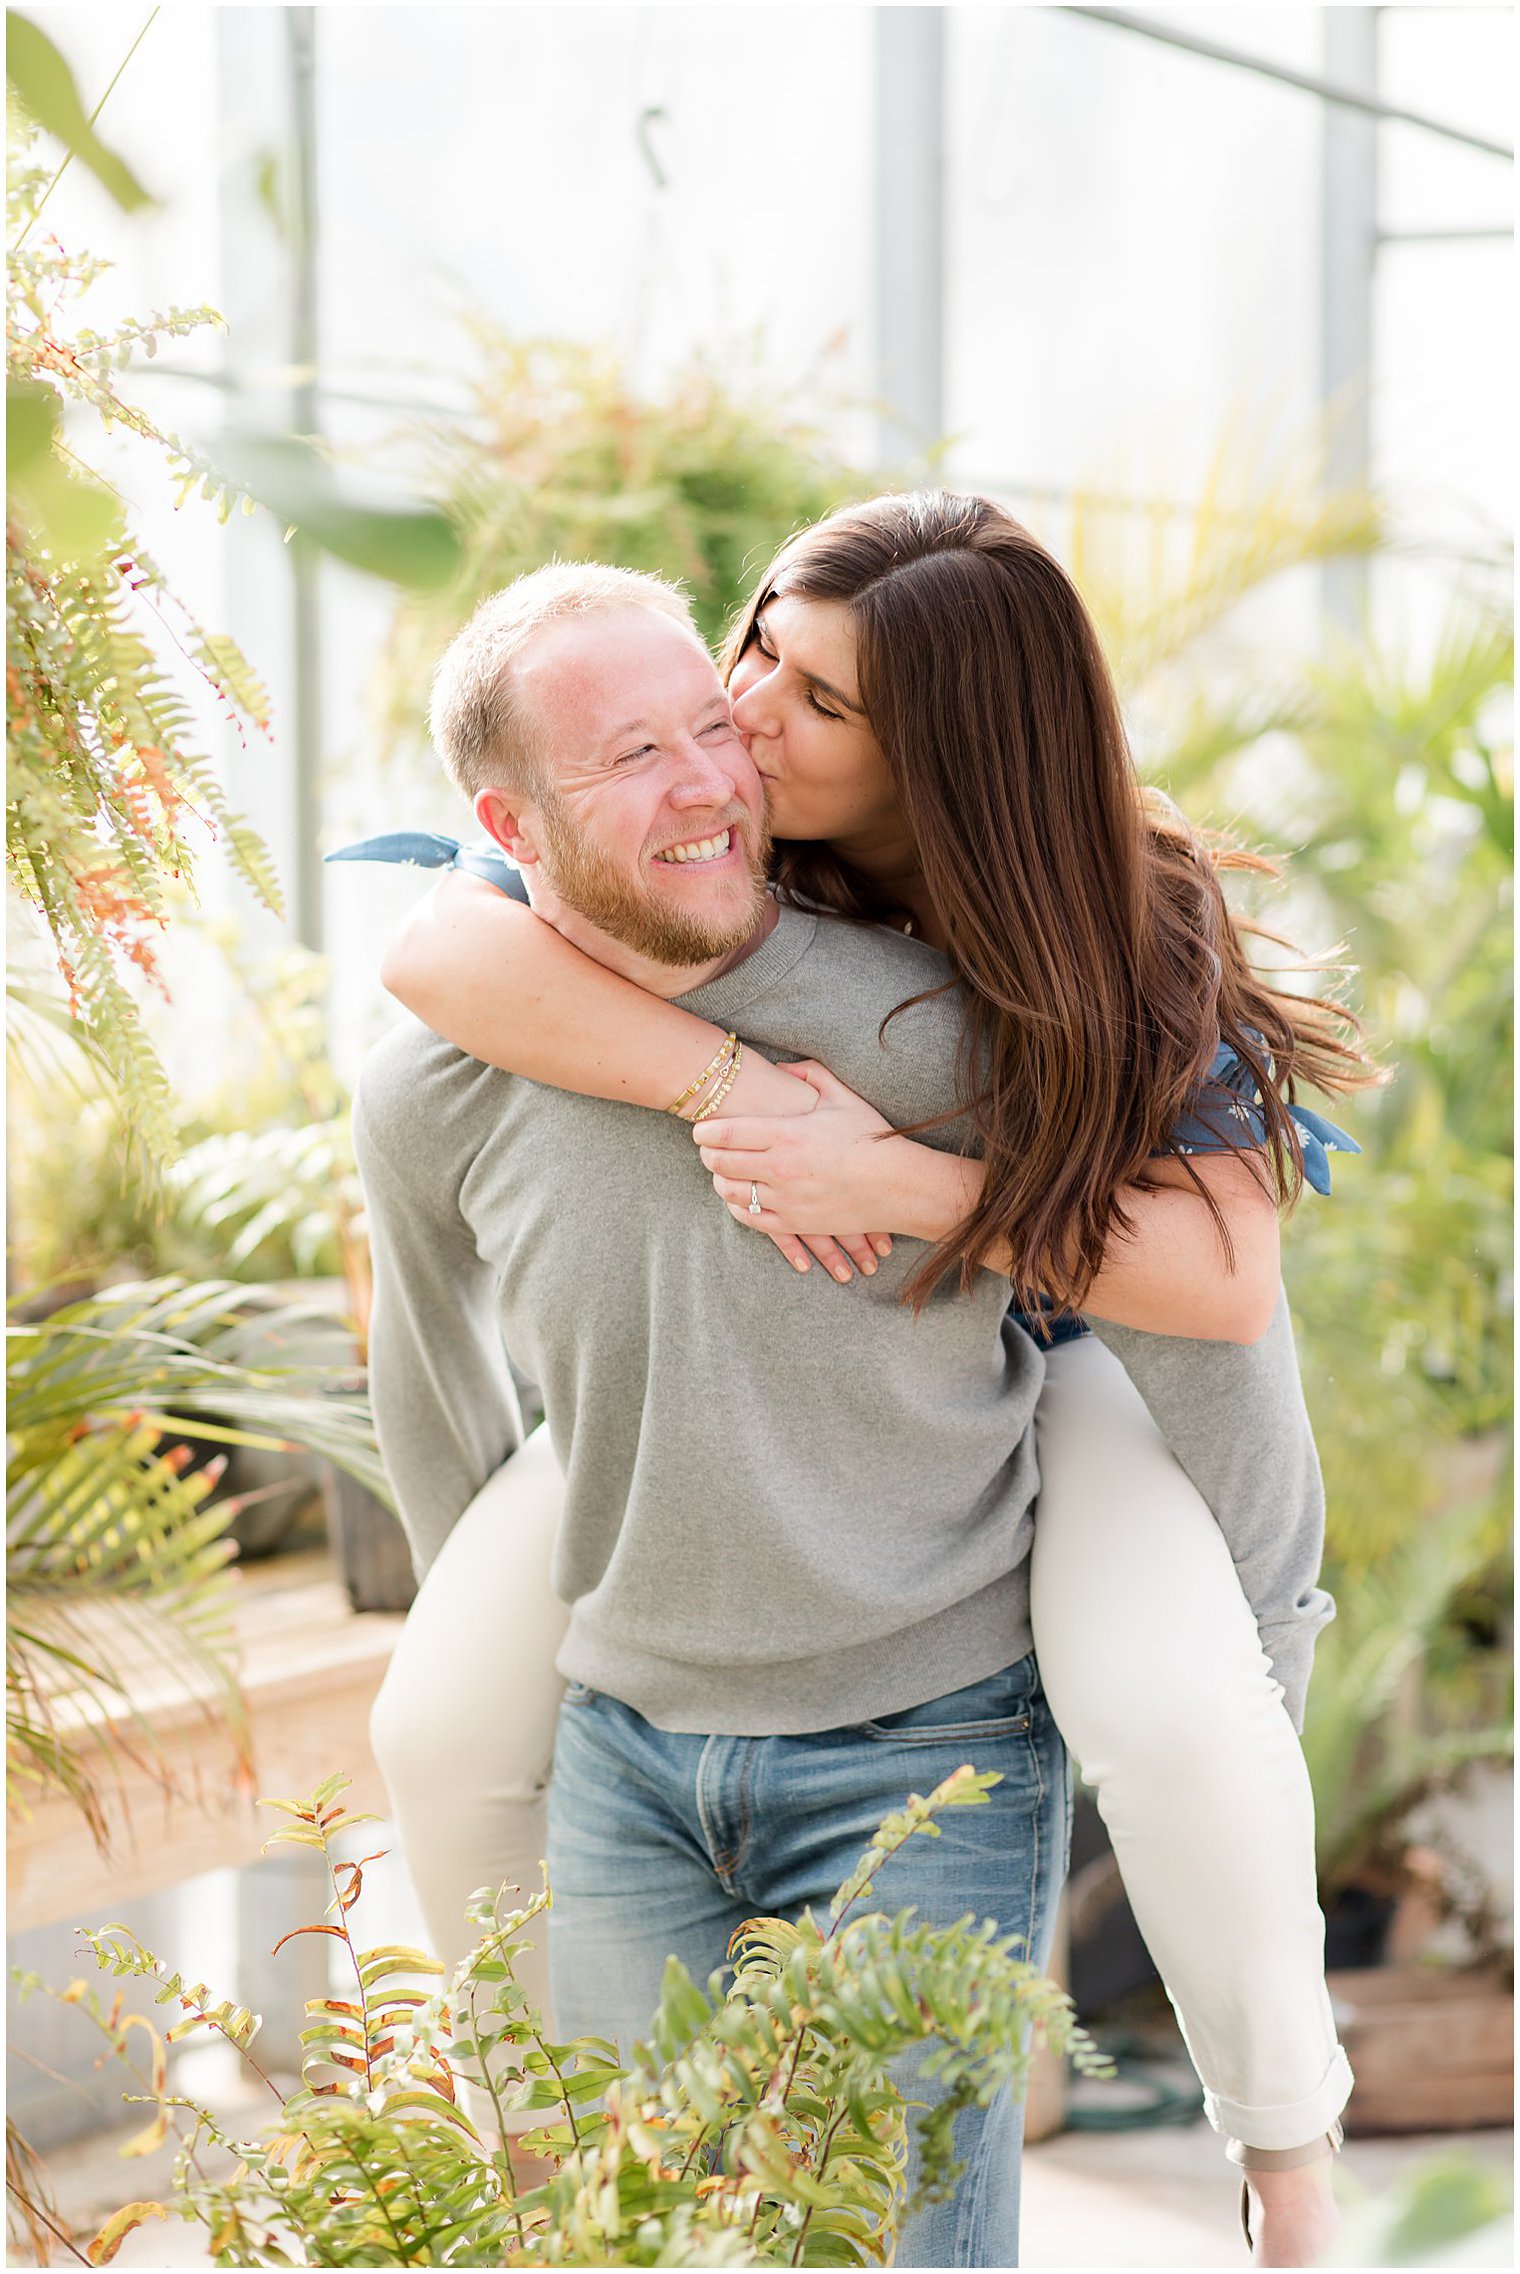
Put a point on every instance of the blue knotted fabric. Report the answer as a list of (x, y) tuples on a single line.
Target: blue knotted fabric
[(1230, 1093), (421, 849)]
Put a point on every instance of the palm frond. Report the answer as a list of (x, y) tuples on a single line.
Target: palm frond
[(1159, 579), (117, 1545), (297, 1185), (1362, 1761), (208, 1359)]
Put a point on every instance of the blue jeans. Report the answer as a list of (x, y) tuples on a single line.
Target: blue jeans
[(661, 1842)]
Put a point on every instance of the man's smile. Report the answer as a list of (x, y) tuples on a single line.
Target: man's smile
[(705, 850)]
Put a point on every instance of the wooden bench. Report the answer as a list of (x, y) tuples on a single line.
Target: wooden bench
[(309, 1667)]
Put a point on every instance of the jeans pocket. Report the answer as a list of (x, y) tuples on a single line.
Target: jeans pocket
[(1001, 1705), (891, 1730)]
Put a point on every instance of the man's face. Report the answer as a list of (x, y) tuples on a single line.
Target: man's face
[(649, 820)]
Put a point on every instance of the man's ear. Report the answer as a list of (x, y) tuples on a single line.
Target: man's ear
[(509, 820)]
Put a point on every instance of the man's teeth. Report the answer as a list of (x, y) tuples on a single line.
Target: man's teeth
[(703, 849)]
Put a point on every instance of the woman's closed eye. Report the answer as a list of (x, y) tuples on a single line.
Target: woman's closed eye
[(771, 656)]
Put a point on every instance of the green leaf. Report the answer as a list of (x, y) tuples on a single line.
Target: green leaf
[(73, 516), (31, 421), (431, 2104), (413, 546), (46, 87)]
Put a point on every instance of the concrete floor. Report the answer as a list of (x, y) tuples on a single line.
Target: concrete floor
[(1160, 2198), (1168, 2198)]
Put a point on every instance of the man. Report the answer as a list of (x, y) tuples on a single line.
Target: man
[(796, 1591)]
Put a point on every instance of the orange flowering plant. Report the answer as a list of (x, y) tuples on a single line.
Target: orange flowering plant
[(110, 794)]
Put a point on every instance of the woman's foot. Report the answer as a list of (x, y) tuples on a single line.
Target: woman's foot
[(1293, 2215)]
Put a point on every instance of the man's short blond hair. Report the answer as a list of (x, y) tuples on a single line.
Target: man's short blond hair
[(478, 718)]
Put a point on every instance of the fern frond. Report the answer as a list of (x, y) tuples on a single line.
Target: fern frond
[(105, 787)]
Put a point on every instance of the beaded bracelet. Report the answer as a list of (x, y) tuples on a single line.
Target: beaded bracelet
[(730, 1075), (715, 1065)]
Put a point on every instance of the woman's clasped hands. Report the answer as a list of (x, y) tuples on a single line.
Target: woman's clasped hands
[(829, 1164)]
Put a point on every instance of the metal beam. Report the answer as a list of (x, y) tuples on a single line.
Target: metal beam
[(1328, 89), (1494, 236), (909, 223), (305, 567), (1348, 247), (253, 293)]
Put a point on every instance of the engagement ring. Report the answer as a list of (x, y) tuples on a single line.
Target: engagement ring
[(755, 1208)]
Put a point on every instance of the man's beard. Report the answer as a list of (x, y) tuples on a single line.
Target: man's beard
[(593, 884)]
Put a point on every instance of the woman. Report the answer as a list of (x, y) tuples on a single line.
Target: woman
[(923, 692)]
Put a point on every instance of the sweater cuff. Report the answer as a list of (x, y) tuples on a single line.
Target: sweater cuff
[(1290, 1647)]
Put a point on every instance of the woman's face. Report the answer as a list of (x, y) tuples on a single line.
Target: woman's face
[(797, 704)]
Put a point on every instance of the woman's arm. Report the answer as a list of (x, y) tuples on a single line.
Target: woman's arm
[(1170, 1276), (504, 986)]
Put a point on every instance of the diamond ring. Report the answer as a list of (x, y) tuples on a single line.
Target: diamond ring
[(755, 1208)]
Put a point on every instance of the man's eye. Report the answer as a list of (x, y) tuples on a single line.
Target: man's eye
[(720, 726), (626, 757)]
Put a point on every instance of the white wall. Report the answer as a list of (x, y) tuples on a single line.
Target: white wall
[(1443, 431), (1134, 244)]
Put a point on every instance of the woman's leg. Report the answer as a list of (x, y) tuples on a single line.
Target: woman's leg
[(463, 1726), (1155, 1672)]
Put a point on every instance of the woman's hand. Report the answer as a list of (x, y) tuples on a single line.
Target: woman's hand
[(830, 1166)]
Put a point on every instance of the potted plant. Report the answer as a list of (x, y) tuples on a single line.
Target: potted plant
[(112, 1534), (1431, 2042), (560, 456), (287, 1193)]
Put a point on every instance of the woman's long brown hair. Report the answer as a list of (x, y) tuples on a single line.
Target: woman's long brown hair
[(1085, 916)]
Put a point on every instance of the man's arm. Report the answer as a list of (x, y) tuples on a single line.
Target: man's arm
[(446, 1412), (1235, 1418)]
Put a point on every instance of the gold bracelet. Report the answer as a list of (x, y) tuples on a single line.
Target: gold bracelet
[(711, 1104), (714, 1065), (711, 1099)]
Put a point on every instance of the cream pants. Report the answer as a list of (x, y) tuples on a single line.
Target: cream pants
[(1153, 1668)]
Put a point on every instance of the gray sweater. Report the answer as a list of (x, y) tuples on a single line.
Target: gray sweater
[(790, 1505)]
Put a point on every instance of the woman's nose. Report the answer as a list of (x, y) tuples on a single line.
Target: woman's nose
[(750, 700)]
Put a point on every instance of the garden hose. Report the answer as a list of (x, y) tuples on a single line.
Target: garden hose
[(1133, 2061)]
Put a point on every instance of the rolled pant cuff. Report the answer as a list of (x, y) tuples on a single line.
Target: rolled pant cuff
[(1285, 2124)]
